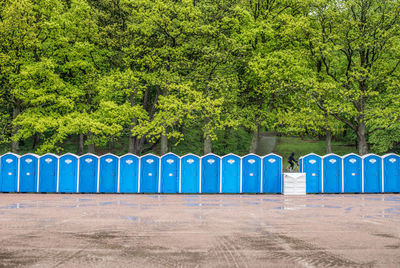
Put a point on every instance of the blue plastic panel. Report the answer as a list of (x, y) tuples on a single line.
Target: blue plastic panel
[(170, 173), (332, 174), (251, 174), (312, 168), (352, 173), (108, 179), (28, 173), (210, 174), (88, 168), (272, 174), (372, 174), (68, 177), (231, 174), (48, 165), (129, 174), (190, 173), (9, 173), (149, 177), (391, 173)]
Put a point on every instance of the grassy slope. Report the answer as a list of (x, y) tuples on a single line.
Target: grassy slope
[(287, 145)]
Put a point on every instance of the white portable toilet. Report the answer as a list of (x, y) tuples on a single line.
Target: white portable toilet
[(294, 183)]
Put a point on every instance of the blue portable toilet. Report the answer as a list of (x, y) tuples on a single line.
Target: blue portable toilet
[(9, 173), (312, 165), (391, 173), (108, 177), (251, 174), (272, 174), (332, 173), (68, 173), (129, 174), (352, 173), (230, 174), (190, 174), (149, 173), (169, 173), (88, 173), (210, 173), (28, 173), (301, 164), (372, 173), (48, 173)]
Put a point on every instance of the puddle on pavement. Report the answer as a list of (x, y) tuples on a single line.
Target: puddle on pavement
[(105, 203), (271, 200), (16, 206), (321, 206)]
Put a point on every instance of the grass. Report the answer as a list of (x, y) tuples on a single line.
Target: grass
[(286, 145)]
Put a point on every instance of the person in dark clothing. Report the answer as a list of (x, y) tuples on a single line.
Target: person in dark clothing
[(291, 160)]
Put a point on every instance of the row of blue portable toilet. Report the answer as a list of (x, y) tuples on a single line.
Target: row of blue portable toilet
[(351, 173), (147, 174)]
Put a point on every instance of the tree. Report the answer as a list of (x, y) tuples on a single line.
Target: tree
[(355, 44), (18, 35), (57, 86)]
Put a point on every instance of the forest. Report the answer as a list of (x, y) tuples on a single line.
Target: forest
[(197, 76)]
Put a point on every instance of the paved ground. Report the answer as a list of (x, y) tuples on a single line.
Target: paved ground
[(199, 231)]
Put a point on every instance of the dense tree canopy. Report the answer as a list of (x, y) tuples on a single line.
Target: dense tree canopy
[(156, 73)]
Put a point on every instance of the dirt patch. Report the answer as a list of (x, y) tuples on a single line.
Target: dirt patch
[(393, 246), (15, 258), (287, 249), (386, 236)]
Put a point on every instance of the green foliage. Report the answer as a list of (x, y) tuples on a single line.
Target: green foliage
[(126, 73)]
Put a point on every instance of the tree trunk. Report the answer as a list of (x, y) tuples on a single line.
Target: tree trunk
[(111, 146), (131, 146), (164, 144), (81, 142), (254, 140), (207, 147), (132, 139), (91, 148), (137, 144), (328, 141), (362, 145), (36, 141), (15, 144)]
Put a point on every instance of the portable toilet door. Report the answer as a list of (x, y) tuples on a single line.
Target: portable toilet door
[(190, 174), (272, 174), (210, 173), (230, 182), (332, 173), (251, 174), (312, 165), (391, 173), (149, 173), (129, 174), (352, 173), (372, 173), (108, 177), (170, 173), (9, 173), (68, 173), (28, 175), (88, 172), (48, 171)]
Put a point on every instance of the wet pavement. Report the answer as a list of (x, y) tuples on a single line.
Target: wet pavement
[(60, 230)]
